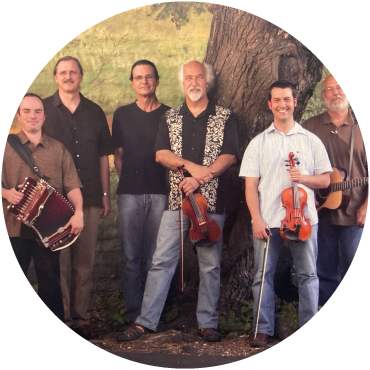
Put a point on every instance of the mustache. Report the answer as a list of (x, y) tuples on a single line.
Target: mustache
[(69, 81), (336, 97), (197, 88)]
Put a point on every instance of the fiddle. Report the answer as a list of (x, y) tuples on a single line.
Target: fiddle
[(204, 231), (295, 227)]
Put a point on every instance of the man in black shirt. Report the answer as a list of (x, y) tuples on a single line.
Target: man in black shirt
[(82, 127), (203, 138), (142, 186)]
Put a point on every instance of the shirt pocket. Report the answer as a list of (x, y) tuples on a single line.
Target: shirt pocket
[(306, 163)]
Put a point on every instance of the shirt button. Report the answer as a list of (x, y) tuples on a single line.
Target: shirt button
[(78, 170), (192, 148), (76, 142), (74, 128), (78, 155), (193, 134)]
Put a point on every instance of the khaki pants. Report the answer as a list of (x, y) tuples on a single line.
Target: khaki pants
[(82, 254)]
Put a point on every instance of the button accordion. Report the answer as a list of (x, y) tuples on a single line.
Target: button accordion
[(46, 211)]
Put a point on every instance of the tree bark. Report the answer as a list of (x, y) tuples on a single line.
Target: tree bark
[(248, 55)]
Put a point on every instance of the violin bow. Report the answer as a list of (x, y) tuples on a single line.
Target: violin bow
[(179, 200), (263, 279)]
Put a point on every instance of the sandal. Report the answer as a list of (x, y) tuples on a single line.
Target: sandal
[(135, 331)]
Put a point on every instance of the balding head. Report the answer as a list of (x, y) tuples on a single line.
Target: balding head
[(333, 96)]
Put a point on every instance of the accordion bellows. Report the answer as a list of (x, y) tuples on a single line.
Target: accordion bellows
[(45, 210)]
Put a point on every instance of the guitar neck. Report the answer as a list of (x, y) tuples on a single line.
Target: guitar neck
[(344, 185)]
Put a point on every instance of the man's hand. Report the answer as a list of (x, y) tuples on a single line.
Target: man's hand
[(13, 196), (189, 185), (295, 174), (201, 173), (77, 223), (106, 206), (259, 229), (361, 215)]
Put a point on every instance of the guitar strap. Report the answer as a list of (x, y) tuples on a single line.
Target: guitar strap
[(25, 153), (351, 155)]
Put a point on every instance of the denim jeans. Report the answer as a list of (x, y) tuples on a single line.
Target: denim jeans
[(304, 258), (165, 261), (139, 219), (330, 239)]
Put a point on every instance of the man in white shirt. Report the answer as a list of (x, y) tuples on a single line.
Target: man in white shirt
[(266, 177)]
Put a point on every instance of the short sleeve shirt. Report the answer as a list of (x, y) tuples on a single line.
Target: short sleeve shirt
[(337, 141), (85, 133), (265, 158), (135, 131), (53, 160), (194, 130)]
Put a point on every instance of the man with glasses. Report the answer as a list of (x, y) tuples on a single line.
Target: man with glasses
[(203, 138), (339, 228), (82, 127), (142, 186)]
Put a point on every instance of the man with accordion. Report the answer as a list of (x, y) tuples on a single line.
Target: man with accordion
[(55, 163)]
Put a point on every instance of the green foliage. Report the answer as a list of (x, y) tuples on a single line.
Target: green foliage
[(170, 313), (316, 105), (178, 12), (109, 49), (114, 308), (242, 324), (289, 313)]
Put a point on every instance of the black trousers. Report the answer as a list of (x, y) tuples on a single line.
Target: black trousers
[(47, 271)]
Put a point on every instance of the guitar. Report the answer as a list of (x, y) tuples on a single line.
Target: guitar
[(337, 194)]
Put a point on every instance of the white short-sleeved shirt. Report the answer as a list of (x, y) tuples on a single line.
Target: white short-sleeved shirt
[(265, 158)]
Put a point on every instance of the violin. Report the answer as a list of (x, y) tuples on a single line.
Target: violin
[(204, 231), (295, 227)]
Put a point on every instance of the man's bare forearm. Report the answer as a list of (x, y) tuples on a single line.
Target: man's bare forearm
[(170, 160), (104, 173), (222, 164)]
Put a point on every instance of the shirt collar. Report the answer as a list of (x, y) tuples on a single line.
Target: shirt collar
[(45, 140), (57, 101), (349, 121), (296, 129), (209, 111)]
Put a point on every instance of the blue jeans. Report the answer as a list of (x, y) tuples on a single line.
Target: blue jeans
[(139, 219), (304, 258), (330, 239), (165, 261)]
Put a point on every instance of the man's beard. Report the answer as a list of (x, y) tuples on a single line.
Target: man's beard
[(337, 106), (197, 95)]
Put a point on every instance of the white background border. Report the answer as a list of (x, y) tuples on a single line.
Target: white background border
[(33, 32)]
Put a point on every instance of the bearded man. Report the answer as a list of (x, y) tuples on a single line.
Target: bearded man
[(203, 138), (339, 228)]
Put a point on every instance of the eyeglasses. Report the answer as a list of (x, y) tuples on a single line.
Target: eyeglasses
[(330, 90), (140, 78), (71, 73)]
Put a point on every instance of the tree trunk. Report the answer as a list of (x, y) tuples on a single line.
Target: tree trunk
[(248, 55)]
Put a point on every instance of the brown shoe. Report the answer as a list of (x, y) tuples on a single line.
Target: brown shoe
[(86, 332), (260, 340), (135, 331), (210, 335)]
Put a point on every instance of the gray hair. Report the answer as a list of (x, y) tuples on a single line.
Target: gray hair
[(210, 76)]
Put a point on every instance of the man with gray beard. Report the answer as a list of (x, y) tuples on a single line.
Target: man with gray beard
[(342, 227), (203, 138)]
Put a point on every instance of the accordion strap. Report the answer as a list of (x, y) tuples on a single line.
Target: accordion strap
[(25, 153)]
